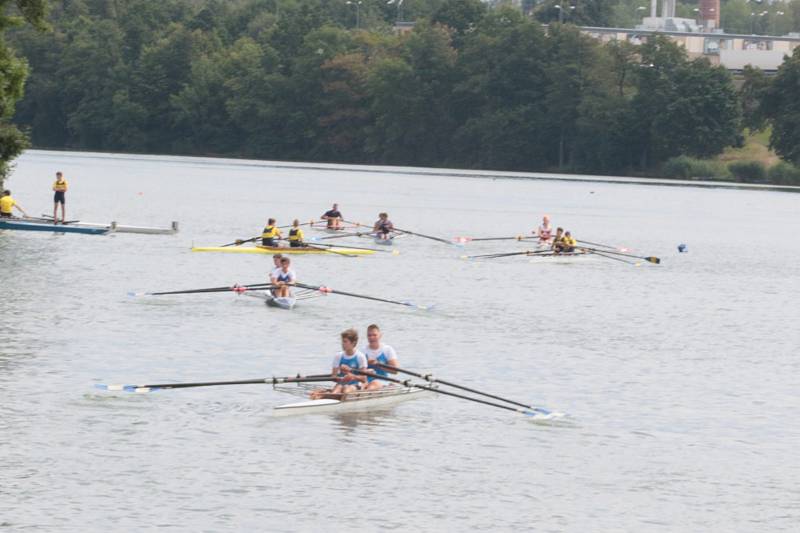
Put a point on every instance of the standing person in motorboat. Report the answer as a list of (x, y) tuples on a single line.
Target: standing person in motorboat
[(333, 217), (296, 235), (544, 231), (283, 279), (349, 359), (8, 204), (271, 234), (378, 354), (566, 245), (383, 227), (60, 188)]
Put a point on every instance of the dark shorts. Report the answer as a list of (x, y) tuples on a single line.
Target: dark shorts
[(267, 242), (6, 215), (59, 197), (296, 244)]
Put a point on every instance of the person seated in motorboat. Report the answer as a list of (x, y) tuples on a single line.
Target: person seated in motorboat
[(333, 217), (271, 234), (383, 227), (8, 204), (377, 354), (349, 359), (282, 279), (545, 230), (567, 244), (296, 235)]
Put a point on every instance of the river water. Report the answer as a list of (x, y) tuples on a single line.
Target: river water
[(680, 380)]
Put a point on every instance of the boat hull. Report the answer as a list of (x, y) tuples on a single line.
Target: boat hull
[(281, 250), (357, 402), (22, 225)]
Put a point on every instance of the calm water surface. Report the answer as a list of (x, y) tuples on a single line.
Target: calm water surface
[(681, 380)]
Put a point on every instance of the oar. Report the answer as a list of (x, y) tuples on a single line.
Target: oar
[(235, 288), (239, 242), (409, 383), (431, 237), (328, 290), (330, 250), (429, 378), (517, 238), (601, 245), (602, 254), (393, 252), (258, 381), (342, 235), (505, 254), (650, 259)]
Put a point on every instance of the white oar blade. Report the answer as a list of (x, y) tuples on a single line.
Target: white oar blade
[(125, 388)]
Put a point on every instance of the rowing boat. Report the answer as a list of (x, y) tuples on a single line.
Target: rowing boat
[(31, 225), (258, 249), (282, 302), (384, 242), (356, 401)]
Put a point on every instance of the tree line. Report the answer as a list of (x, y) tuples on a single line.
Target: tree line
[(326, 80)]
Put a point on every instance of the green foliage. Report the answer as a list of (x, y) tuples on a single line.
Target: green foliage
[(748, 171), (784, 174), (13, 72), (751, 93), (780, 103), (295, 80), (580, 13), (685, 167)]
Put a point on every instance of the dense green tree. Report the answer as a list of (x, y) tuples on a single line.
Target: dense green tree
[(782, 106), (500, 98), (462, 16), (751, 92), (578, 12), (13, 72), (681, 107)]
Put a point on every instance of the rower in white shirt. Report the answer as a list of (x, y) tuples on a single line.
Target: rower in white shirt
[(377, 354), (545, 231), (283, 278), (349, 359)]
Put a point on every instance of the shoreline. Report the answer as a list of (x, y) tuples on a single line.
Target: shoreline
[(418, 171)]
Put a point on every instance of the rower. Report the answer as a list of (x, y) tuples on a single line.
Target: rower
[(349, 359), (378, 353), (8, 204), (383, 227), (296, 235), (567, 244), (333, 217), (60, 187), (559, 236), (283, 278), (270, 234), (545, 230)]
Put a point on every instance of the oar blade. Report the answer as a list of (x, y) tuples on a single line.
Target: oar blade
[(654, 260)]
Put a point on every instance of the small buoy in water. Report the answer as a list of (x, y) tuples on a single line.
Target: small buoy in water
[(682, 248)]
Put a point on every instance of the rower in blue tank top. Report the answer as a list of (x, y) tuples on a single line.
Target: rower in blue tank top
[(378, 353), (346, 361)]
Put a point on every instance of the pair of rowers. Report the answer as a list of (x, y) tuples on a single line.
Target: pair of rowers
[(561, 242), (271, 234), (355, 370), (282, 277)]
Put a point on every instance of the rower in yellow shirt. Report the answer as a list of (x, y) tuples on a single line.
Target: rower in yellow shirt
[(270, 234), (567, 244), (8, 204), (296, 235), (60, 187)]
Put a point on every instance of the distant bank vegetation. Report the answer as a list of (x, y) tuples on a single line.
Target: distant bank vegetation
[(469, 87)]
